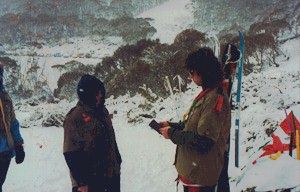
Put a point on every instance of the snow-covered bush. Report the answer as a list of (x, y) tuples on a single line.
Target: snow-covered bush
[(28, 84), (190, 39), (55, 120), (123, 71), (132, 29)]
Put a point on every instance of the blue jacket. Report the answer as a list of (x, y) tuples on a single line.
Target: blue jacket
[(15, 132), (14, 125)]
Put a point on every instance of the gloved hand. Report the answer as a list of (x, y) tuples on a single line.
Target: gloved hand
[(20, 154)]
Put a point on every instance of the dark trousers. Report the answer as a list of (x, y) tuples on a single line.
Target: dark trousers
[(4, 164), (199, 189), (223, 183), (113, 184), (109, 185), (74, 189)]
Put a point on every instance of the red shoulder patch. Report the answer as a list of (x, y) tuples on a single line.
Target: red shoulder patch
[(86, 118)]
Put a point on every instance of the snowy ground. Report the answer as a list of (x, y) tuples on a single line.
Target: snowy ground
[(170, 18), (286, 78), (87, 50), (147, 157)]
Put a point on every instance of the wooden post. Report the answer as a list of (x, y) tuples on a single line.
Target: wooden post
[(291, 136), (298, 144), (294, 134)]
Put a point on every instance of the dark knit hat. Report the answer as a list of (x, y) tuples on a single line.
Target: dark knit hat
[(87, 89)]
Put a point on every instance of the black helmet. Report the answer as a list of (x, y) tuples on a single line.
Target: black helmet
[(87, 89), (231, 54)]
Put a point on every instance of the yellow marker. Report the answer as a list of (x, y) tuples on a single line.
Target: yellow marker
[(275, 155), (298, 144)]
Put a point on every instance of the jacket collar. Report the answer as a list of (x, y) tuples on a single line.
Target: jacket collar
[(98, 111)]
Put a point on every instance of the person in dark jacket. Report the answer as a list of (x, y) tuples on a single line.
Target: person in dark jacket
[(201, 137), (11, 141), (230, 59), (90, 147)]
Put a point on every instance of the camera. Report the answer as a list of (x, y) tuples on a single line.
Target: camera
[(154, 125)]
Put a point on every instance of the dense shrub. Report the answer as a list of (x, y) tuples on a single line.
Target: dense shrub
[(67, 82)]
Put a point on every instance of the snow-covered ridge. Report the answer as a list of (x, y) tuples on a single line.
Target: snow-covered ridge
[(170, 18), (149, 166), (87, 50), (265, 110), (147, 157)]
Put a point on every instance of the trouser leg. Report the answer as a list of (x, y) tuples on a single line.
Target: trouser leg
[(223, 183), (4, 164), (113, 184), (199, 189)]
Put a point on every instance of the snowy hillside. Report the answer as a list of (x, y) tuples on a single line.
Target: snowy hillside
[(87, 50), (265, 109), (170, 18), (148, 157)]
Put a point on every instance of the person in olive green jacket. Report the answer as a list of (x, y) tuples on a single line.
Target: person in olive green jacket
[(90, 148), (201, 137)]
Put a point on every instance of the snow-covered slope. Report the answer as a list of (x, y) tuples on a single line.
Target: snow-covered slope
[(265, 110), (87, 50), (170, 18), (147, 157)]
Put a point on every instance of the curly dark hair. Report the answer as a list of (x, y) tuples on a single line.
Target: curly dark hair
[(206, 64)]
